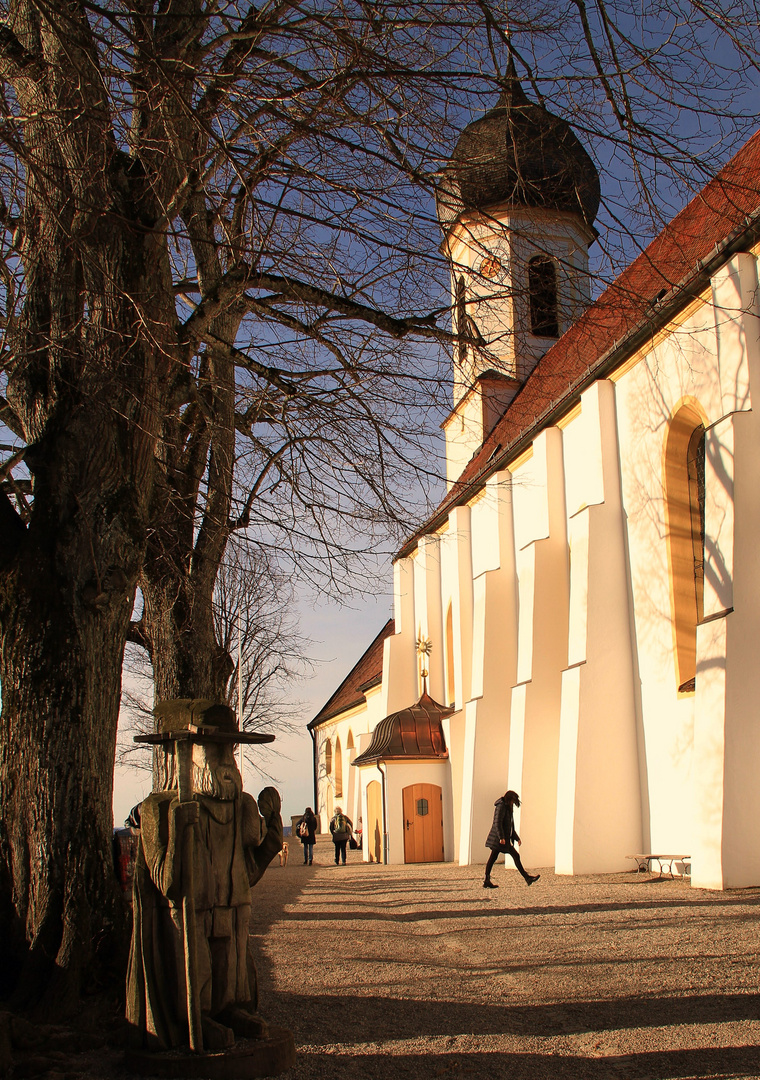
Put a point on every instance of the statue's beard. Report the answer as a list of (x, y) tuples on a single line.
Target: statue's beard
[(224, 782)]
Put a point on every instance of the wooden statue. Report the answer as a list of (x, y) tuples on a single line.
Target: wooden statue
[(204, 843)]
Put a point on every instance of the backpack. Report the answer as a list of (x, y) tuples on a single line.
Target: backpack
[(340, 825), (302, 828)]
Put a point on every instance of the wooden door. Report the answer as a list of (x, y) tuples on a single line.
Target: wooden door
[(372, 833), (423, 823)]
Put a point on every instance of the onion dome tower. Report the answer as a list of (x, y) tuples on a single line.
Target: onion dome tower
[(516, 203)]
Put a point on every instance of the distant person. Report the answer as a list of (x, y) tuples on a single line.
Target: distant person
[(341, 828), (501, 836), (306, 831)]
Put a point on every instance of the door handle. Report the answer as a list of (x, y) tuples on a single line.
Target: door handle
[(408, 823)]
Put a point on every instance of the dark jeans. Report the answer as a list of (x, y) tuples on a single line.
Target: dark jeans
[(308, 851), (508, 849), (340, 850)]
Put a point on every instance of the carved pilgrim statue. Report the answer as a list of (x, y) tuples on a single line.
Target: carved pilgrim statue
[(204, 843)]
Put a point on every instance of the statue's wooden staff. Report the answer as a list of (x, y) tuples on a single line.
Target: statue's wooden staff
[(183, 740)]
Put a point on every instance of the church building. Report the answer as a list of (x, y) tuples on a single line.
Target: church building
[(578, 618)]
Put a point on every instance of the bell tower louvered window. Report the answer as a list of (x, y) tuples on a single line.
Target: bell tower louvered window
[(542, 294)]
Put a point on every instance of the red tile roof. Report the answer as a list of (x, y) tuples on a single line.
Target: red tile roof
[(720, 220), (367, 672)]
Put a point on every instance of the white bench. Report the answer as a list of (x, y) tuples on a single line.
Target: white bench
[(664, 863)]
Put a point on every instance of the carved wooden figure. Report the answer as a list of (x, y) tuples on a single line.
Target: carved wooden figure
[(204, 843)]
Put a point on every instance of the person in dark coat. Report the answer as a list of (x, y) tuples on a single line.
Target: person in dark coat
[(306, 831), (501, 837)]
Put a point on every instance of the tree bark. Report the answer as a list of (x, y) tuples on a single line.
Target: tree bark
[(88, 378)]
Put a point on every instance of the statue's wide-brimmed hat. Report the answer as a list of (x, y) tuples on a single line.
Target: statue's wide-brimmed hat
[(198, 720)]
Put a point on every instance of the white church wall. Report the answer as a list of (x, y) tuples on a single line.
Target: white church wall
[(727, 736), (399, 656), (457, 590), (429, 613), (494, 665), (357, 723), (680, 760), (542, 570), (598, 794), (679, 368)]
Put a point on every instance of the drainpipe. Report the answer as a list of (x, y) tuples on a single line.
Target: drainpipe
[(385, 812)]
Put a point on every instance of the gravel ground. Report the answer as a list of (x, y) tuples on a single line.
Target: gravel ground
[(418, 972)]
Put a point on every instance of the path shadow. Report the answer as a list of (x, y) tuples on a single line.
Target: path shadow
[(734, 1061), (385, 1018)]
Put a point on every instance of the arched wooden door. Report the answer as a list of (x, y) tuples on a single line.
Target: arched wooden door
[(372, 833), (423, 823)]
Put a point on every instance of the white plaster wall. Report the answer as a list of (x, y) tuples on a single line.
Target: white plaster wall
[(428, 611), (400, 670), (683, 735), (542, 570), (598, 798), (368, 773), (494, 665), (727, 735), (499, 304), (361, 722)]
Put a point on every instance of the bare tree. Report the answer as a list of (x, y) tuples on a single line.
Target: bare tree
[(255, 621), (223, 312)]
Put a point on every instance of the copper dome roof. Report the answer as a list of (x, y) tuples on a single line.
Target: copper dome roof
[(415, 732), (520, 154)]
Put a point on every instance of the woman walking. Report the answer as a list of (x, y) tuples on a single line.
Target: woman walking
[(306, 830), (501, 836)]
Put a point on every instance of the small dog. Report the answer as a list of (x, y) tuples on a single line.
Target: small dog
[(284, 854)]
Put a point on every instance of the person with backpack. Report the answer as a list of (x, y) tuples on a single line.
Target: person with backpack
[(341, 828), (306, 831)]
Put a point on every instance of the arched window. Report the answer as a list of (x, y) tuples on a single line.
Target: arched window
[(542, 294), (450, 685), (338, 770), (350, 740), (328, 757), (685, 508), (460, 307)]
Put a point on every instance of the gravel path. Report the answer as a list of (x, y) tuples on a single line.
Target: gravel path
[(417, 971), (386, 972)]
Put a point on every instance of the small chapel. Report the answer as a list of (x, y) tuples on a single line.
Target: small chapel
[(577, 620)]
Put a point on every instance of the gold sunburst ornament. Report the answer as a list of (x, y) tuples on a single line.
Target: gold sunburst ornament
[(424, 649)]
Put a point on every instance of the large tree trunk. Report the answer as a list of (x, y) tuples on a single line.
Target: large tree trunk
[(61, 647), (67, 591), (178, 628), (93, 350)]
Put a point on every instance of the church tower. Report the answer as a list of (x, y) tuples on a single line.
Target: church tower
[(516, 203)]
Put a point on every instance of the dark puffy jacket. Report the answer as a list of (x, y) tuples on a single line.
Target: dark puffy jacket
[(503, 827)]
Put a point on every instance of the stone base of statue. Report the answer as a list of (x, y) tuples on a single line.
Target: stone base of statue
[(267, 1056)]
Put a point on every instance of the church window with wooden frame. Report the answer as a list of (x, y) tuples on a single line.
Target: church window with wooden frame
[(685, 513), (543, 298)]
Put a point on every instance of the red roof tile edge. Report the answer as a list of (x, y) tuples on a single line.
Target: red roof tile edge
[(721, 219), (366, 671)]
